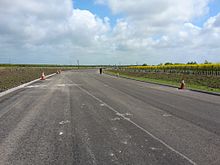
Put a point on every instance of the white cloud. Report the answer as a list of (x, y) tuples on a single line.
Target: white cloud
[(164, 28), (47, 26), (151, 31), (213, 22), (159, 10)]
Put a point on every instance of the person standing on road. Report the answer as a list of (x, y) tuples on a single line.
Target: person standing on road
[(100, 70)]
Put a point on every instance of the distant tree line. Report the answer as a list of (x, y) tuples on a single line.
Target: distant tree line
[(189, 63)]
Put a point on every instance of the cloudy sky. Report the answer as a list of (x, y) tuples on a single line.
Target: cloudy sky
[(109, 31)]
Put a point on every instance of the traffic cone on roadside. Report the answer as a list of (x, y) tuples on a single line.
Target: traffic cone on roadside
[(43, 77), (182, 85)]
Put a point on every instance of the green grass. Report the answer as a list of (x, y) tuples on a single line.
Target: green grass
[(210, 84)]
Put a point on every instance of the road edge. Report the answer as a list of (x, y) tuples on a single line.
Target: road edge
[(172, 86), (22, 85)]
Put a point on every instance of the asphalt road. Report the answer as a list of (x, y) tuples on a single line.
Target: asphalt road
[(81, 117)]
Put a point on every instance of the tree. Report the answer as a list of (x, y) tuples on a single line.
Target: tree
[(168, 63), (192, 62), (206, 62)]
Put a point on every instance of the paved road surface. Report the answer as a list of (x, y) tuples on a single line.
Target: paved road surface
[(86, 118)]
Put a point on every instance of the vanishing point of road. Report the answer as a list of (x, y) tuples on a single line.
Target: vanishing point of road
[(81, 117)]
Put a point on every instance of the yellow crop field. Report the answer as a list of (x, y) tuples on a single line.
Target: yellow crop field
[(201, 69), (181, 66)]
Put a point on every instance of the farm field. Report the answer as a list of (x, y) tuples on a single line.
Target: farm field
[(202, 79), (195, 69), (13, 76)]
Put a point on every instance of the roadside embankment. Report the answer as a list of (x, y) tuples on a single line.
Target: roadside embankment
[(195, 82)]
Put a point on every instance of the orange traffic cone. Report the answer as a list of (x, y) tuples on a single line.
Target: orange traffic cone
[(182, 85), (43, 76)]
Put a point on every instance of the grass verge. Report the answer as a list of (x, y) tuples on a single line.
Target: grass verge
[(195, 82)]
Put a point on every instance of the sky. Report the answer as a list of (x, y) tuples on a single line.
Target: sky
[(109, 31)]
